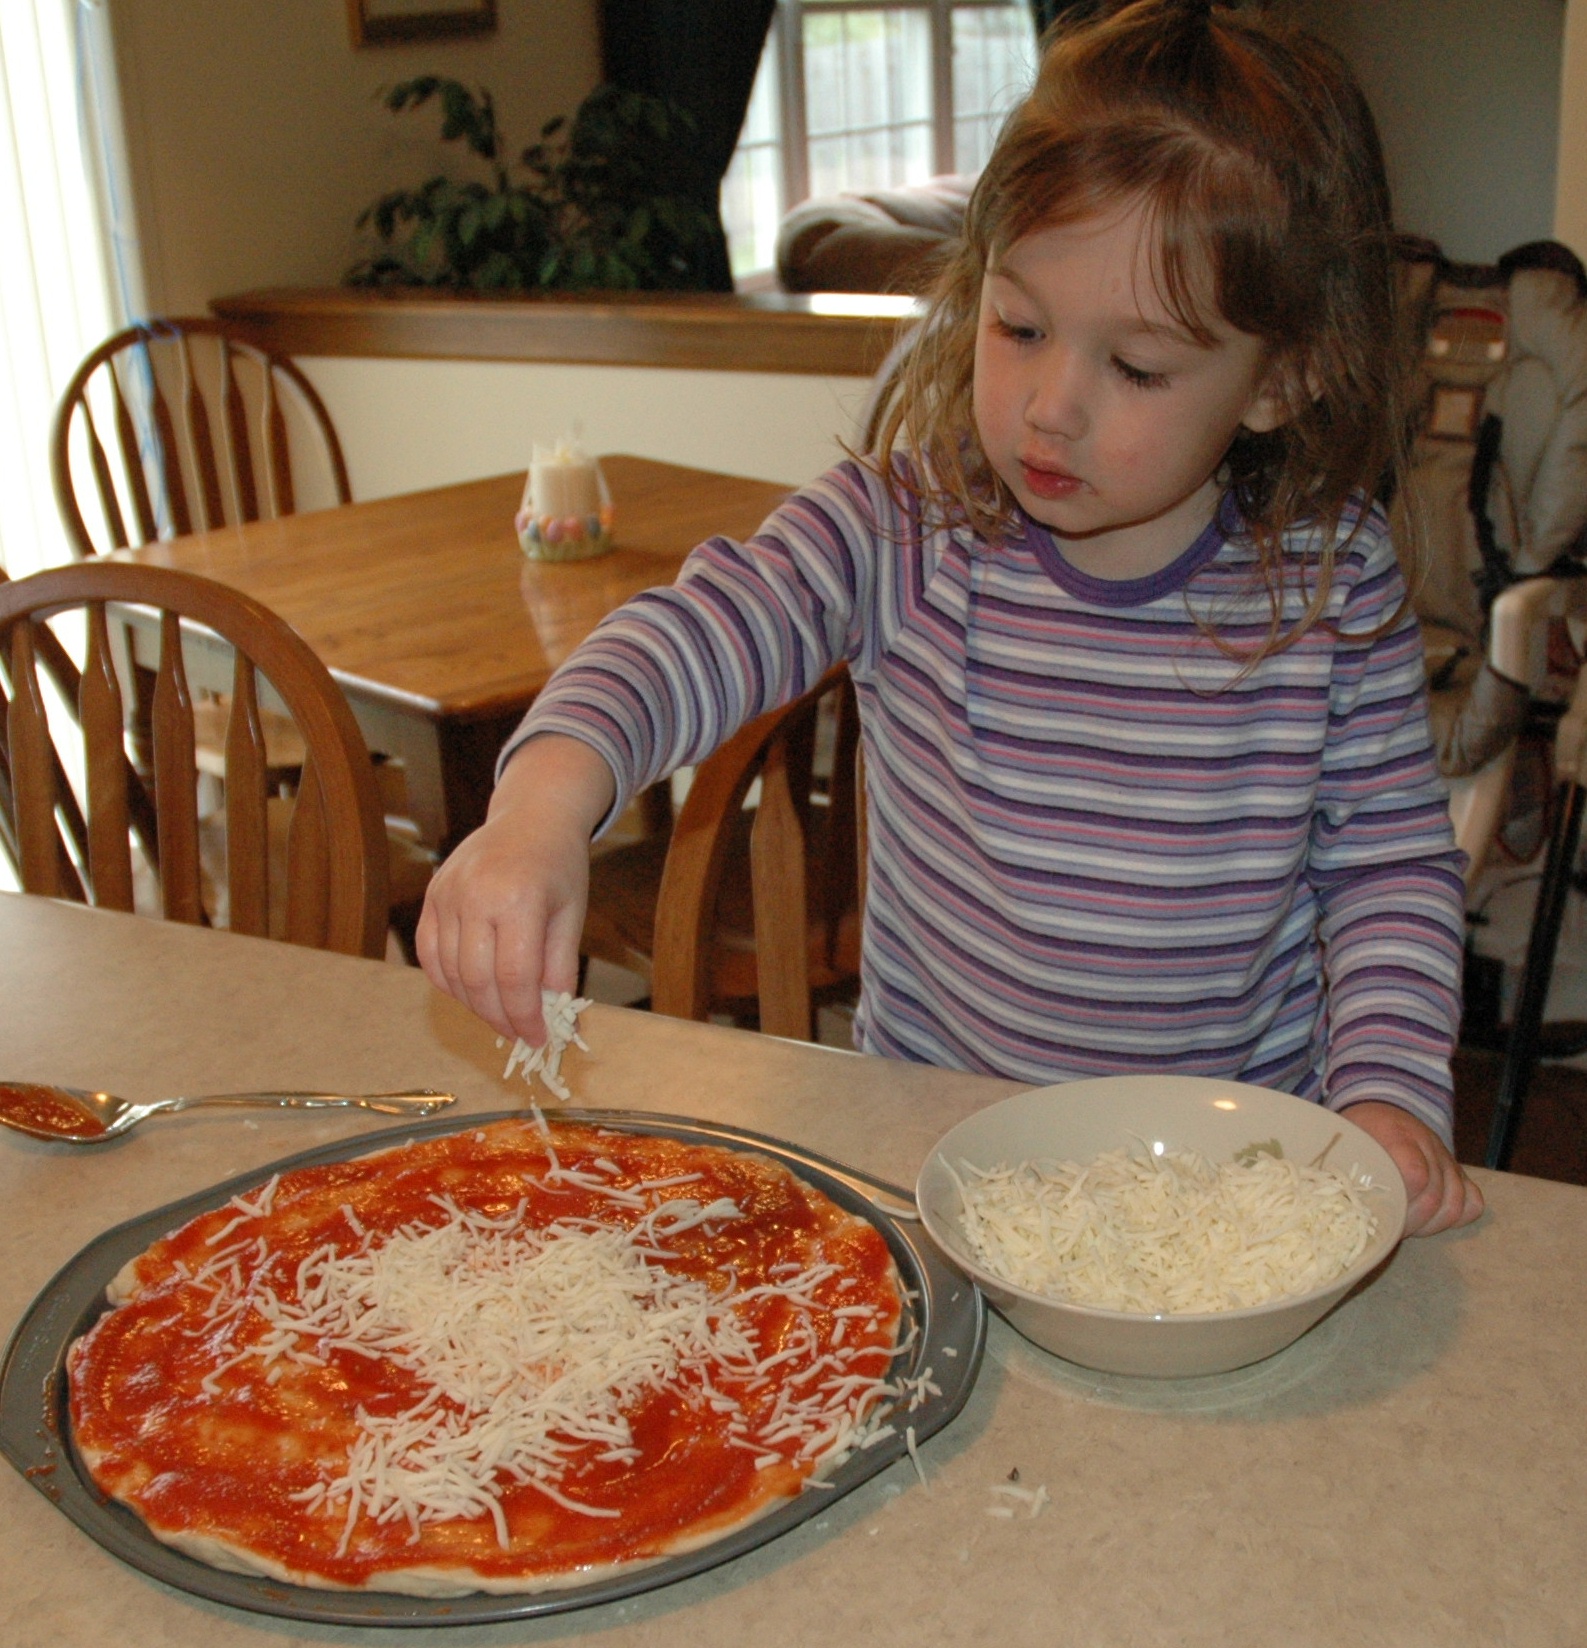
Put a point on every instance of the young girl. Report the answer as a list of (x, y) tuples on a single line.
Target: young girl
[(1147, 761)]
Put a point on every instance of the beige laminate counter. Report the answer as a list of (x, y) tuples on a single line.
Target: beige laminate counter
[(1412, 1472)]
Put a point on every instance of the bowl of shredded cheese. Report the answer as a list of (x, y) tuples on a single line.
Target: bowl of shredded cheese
[(1162, 1226)]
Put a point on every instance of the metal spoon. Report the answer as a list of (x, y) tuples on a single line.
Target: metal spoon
[(76, 1117)]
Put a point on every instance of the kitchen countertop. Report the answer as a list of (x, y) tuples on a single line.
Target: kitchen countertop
[(1409, 1472)]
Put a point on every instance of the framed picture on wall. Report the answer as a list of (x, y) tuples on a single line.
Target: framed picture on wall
[(390, 22)]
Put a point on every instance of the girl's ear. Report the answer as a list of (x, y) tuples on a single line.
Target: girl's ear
[(1285, 386)]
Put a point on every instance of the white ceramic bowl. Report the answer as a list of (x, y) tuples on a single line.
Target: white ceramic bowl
[(1077, 1121)]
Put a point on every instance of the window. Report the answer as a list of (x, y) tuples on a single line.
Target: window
[(857, 94), (56, 299), (57, 287)]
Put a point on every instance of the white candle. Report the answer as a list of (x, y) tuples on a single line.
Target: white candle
[(562, 483)]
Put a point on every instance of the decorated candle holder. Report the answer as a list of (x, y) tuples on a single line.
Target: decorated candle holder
[(566, 514)]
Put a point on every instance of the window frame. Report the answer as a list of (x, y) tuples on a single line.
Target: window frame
[(788, 26)]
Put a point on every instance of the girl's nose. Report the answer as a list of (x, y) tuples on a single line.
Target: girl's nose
[(1057, 402)]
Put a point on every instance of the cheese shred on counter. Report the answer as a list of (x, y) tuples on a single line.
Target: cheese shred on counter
[(1164, 1234)]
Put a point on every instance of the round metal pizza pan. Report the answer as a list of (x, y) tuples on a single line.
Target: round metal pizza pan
[(944, 1308)]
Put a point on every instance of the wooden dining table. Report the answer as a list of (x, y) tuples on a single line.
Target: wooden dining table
[(1409, 1472), (437, 626)]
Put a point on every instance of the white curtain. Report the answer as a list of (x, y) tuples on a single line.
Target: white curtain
[(68, 271)]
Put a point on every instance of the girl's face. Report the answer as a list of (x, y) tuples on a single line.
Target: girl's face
[(1104, 417)]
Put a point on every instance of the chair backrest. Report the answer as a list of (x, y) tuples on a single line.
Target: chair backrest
[(787, 885), (74, 839), (182, 425)]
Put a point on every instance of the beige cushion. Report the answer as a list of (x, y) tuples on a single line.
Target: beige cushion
[(883, 240)]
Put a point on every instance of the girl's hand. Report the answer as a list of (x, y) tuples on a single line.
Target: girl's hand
[(504, 913), (1439, 1194)]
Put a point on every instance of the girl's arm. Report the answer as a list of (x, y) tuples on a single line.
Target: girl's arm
[(660, 684), (1390, 888), (676, 671)]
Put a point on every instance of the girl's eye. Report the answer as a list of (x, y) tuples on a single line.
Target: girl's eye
[(1139, 379), (1015, 330)]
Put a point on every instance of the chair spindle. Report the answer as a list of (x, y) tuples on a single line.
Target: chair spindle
[(308, 863), (100, 711), (33, 771), (239, 455), (200, 441), (247, 820), (132, 458), (170, 450), (104, 482), (777, 880), (175, 782), (278, 456)]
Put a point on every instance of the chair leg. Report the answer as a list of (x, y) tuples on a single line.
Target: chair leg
[(1521, 1050)]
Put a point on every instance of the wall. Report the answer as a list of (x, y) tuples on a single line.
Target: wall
[(408, 424), (1570, 195), (1467, 97), (255, 138)]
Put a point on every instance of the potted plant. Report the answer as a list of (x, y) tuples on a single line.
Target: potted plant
[(592, 205)]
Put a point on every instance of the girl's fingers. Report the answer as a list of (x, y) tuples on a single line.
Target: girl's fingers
[(1474, 1201), (519, 967), (1450, 1200), (1461, 1204), (475, 971), (563, 933), (425, 946)]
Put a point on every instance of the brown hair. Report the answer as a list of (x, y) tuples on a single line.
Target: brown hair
[(1260, 165)]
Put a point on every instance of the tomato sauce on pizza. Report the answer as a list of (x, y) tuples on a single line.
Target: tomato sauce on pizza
[(508, 1358)]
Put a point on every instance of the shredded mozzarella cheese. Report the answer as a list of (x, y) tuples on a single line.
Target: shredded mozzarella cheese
[(1164, 1234), (530, 1346), (561, 1012)]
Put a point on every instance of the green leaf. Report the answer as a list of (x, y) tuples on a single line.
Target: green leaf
[(588, 205), (582, 270), (497, 272), (639, 226), (411, 92)]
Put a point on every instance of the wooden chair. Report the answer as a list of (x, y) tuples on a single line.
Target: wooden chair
[(75, 840), (181, 425), (749, 911)]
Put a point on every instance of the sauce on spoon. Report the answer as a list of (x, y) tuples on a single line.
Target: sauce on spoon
[(46, 1111)]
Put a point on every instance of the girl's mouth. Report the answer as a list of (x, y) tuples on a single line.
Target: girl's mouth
[(1050, 483)]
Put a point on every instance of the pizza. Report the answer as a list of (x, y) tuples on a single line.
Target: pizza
[(513, 1357)]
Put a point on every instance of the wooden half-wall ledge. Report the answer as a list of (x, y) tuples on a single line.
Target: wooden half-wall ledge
[(836, 334)]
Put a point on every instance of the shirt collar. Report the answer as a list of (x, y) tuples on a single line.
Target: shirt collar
[(1128, 592)]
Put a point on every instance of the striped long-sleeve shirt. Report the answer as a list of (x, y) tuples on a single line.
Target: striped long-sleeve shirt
[(1098, 843)]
